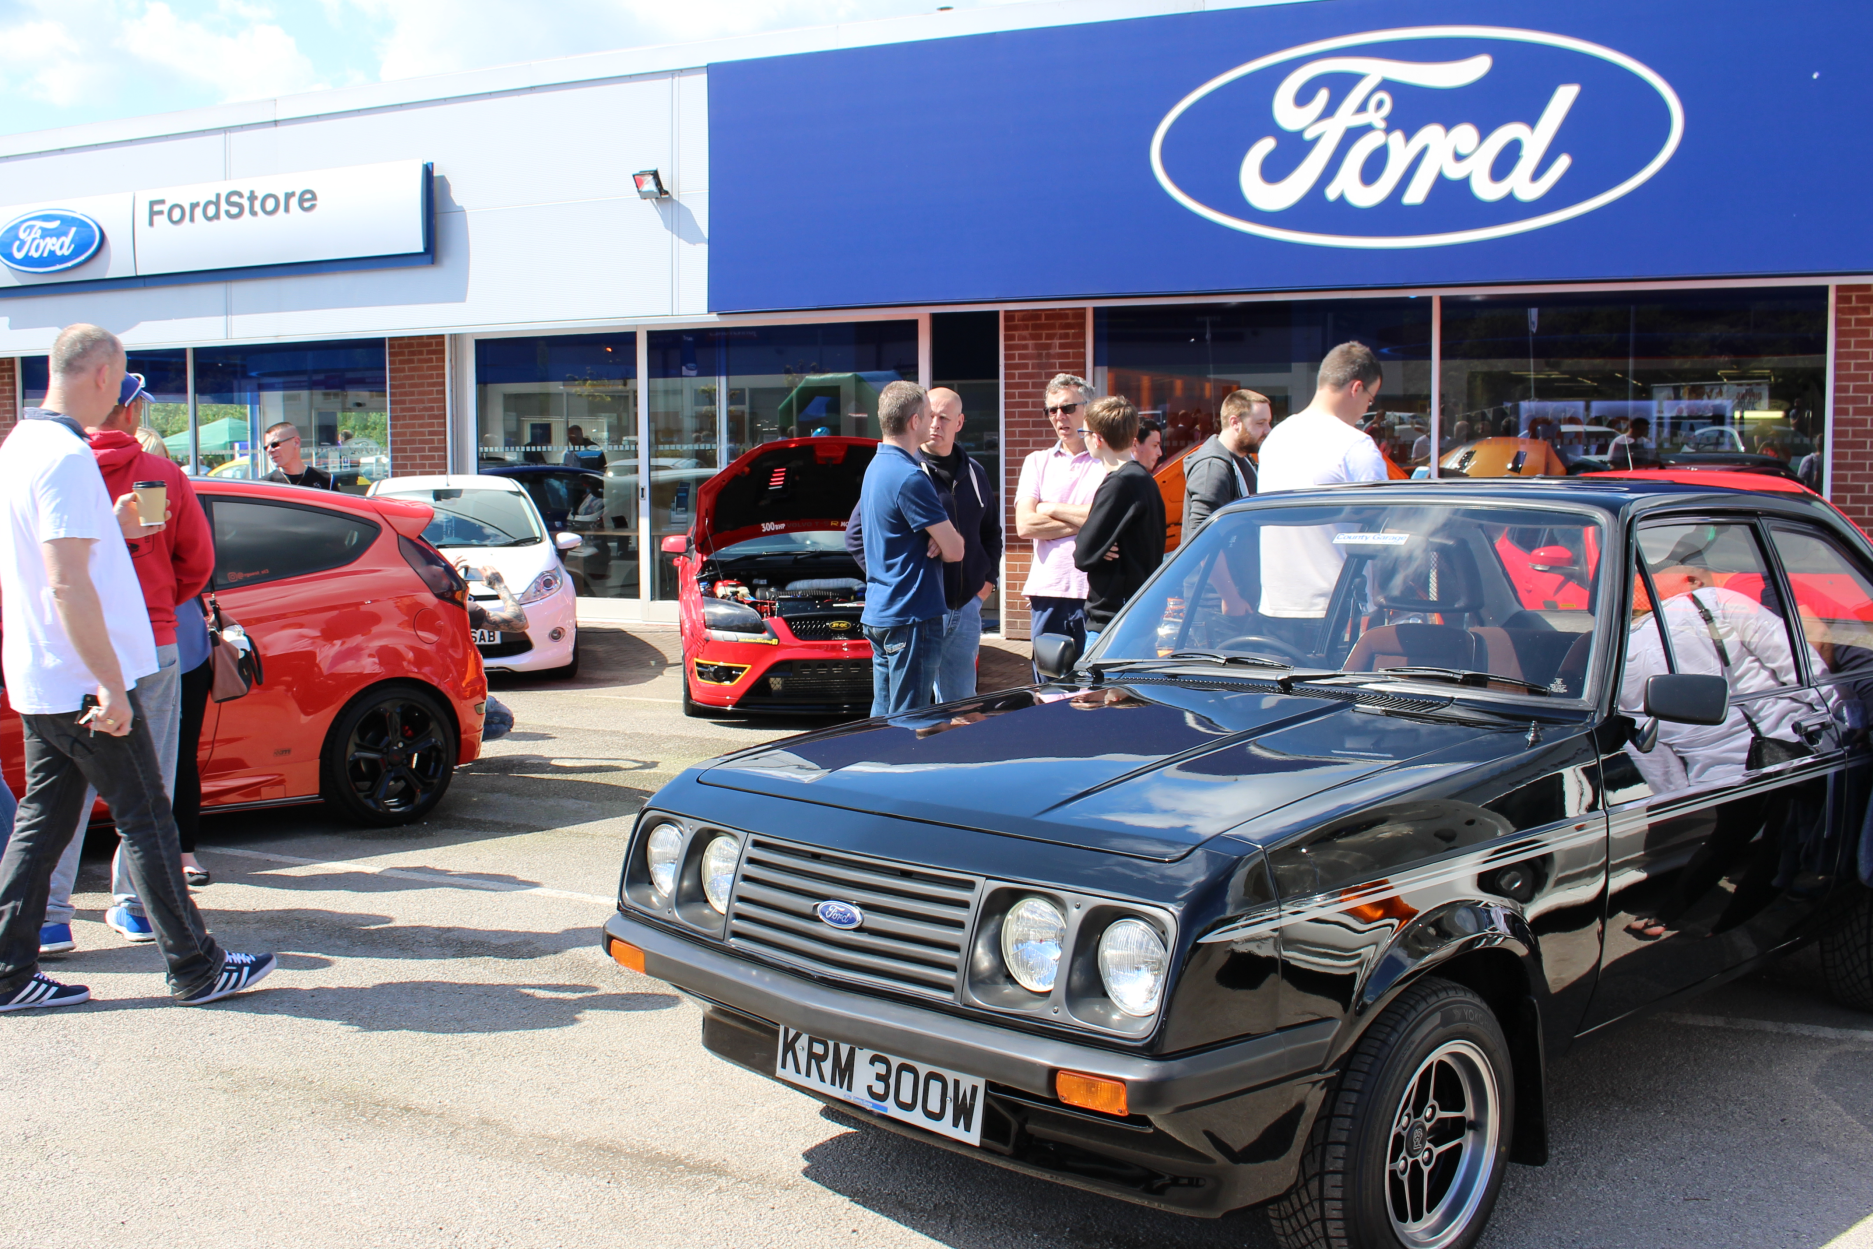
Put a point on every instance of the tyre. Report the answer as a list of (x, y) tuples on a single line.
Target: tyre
[(1847, 953), (701, 711), (389, 756), (1409, 1150), (570, 668)]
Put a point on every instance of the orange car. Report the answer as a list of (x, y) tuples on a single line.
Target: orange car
[(372, 690), (1503, 457)]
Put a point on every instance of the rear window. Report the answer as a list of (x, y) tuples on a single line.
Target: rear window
[(471, 517), (257, 542)]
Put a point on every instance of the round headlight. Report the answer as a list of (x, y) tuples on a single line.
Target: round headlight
[(1031, 937), (718, 871), (1132, 962), (666, 842)]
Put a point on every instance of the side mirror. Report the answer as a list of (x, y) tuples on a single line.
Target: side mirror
[(1054, 654), (565, 540), (1687, 698), (676, 544)]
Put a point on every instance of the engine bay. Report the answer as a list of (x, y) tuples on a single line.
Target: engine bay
[(787, 584)]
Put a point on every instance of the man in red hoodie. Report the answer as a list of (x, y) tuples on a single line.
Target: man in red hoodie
[(172, 566)]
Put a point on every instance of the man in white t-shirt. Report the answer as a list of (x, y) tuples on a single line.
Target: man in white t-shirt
[(1321, 445), (77, 640)]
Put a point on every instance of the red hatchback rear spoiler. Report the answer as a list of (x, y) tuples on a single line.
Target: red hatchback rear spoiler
[(408, 519)]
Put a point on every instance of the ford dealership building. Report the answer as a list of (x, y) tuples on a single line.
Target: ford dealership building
[(1549, 220)]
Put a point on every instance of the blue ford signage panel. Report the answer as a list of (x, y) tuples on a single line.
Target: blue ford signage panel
[(49, 240), (1340, 144)]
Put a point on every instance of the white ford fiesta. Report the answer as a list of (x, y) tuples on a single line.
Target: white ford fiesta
[(489, 522)]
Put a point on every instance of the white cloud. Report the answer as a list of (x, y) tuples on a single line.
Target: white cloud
[(257, 59), (45, 58)]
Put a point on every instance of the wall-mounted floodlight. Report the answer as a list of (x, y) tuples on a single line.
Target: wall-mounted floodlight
[(650, 185)]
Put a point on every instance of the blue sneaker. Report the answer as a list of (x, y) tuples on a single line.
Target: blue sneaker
[(40, 991), (239, 973), (131, 927), (56, 939)]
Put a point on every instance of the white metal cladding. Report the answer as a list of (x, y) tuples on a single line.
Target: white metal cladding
[(537, 219)]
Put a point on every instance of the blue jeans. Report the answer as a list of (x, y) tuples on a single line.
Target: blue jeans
[(160, 696), (1059, 615), (903, 665), (962, 638)]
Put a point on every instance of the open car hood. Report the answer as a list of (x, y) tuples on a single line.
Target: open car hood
[(1150, 774), (782, 487)]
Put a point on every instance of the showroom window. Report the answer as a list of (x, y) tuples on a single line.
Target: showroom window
[(559, 414), (1178, 361), (333, 393), (1612, 381), (965, 356), (715, 393)]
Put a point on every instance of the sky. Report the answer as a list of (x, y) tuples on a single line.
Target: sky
[(63, 62)]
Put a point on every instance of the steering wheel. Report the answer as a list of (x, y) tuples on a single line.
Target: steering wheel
[(1261, 642)]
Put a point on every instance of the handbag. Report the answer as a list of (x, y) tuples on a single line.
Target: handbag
[(236, 660), (1764, 752)]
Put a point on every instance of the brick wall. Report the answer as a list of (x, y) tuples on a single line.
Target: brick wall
[(419, 406), (1035, 346), (9, 394), (1852, 451)]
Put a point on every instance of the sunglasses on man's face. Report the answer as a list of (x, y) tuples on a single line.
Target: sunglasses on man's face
[(1065, 409), (275, 446)]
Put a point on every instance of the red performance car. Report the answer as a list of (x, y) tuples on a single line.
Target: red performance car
[(372, 690), (769, 599)]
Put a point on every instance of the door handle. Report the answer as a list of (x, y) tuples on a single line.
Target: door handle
[(1811, 732)]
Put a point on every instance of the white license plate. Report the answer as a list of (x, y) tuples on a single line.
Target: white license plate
[(929, 1097), (487, 637)]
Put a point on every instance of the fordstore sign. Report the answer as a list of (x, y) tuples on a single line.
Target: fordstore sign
[(1348, 144)]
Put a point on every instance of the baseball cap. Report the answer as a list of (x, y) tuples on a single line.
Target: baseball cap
[(131, 390)]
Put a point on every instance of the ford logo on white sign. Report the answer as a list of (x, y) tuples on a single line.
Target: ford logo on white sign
[(1422, 137), (49, 241)]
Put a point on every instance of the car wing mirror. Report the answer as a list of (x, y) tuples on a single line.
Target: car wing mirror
[(1054, 654), (676, 544), (565, 540), (1687, 698)]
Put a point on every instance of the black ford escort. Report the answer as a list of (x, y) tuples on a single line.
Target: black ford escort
[(1368, 802)]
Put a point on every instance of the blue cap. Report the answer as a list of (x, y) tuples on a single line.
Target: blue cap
[(131, 390)]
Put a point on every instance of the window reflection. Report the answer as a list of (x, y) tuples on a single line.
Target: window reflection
[(1547, 385), (333, 393)]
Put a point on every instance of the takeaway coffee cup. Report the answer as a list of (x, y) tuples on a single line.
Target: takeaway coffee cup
[(152, 501)]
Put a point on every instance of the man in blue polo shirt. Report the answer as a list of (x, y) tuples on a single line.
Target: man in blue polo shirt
[(906, 532)]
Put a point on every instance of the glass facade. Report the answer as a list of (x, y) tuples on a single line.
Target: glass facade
[(334, 393), (965, 356), (1621, 380), (560, 412), (716, 392), (1178, 361)]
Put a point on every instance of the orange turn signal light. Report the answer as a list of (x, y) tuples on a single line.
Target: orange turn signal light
[(627, 955), (1091, 1092)]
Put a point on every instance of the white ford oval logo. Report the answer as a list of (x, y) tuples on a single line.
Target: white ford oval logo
[(841, 915), (1425, 137), (49, 241)]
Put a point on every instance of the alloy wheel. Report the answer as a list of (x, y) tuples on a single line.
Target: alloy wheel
[(1442, 1146)]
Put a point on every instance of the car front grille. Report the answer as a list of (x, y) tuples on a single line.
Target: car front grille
[(826, 628), (915, 919), (519, 644), (845, 681)]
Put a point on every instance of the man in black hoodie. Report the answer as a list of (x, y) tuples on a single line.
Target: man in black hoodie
[(1122, 542), (970, 499)]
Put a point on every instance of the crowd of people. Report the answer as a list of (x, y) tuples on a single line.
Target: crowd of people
[(929, 538)]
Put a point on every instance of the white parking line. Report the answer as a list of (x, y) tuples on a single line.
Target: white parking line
[(1862, 1035), (404, 873)]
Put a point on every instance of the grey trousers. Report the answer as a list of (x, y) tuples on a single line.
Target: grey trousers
[(161, 696), (62, 758)]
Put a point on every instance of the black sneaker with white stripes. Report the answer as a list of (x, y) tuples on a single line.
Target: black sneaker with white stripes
[(41, 991), (240, 973)]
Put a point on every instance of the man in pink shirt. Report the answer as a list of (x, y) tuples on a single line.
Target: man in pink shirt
[(1052, 499)]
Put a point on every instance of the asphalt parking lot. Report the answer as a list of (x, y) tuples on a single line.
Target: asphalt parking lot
[(446, 1058)]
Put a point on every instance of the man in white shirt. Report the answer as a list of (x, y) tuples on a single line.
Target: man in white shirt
[(77, 639), (1321, 445)]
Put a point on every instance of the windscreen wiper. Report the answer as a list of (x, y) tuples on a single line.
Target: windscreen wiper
[(1461, 676)]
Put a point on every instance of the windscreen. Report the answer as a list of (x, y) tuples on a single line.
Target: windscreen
[(1368, 587), (475, 517)]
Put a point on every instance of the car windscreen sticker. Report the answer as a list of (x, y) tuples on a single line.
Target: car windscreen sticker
[(1371, 539)]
